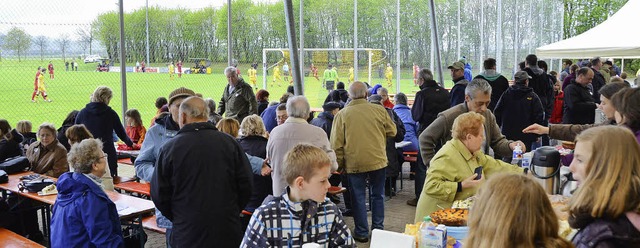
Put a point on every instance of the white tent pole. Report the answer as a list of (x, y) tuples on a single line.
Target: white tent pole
[(355, 40), (499, 38), (301, 43), (622, 66), (458, 29), (481, 58), (370, 58), (264, 69), (398, 47)]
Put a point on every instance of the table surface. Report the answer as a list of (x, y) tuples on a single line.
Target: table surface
[(11, 240), (127, 206), (135, 187)]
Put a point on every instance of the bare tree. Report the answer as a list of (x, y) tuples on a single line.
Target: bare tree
[(17, 40), (63, 43), (86, 35), (42, 43)]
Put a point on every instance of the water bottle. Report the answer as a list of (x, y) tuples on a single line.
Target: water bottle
[(427, 233), (517, 154)]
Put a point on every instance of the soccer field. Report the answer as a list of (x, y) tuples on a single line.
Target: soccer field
[(71, 90)]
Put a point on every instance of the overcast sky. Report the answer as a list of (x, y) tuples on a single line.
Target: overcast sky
[(55, 17)]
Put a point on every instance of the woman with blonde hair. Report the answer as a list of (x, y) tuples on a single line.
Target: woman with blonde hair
[(229, 126), (513, 211), (102, 121), (451, 175), (606, 206)]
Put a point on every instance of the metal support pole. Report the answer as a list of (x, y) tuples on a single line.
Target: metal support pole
[(302, 42), (293, 47), (458, 36), (370, 64), (123, 68), (516, 41), (147, 41), (264, 69), (434, 24), (499, 39), (355, 40), (229, 48), (481, 58), (398, 47)]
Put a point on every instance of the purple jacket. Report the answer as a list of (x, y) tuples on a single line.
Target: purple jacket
[(620, 232)]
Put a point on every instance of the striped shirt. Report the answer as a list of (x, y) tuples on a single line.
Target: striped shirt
[(283, 223)]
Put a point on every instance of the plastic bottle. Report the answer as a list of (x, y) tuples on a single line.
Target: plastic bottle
[(427, 233), (517, 154)]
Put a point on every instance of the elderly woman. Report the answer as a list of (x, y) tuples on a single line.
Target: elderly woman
[(79, 132), (47, 156), (83, 214), (101, 120), (213, 116), (451, 174), (263, 100)]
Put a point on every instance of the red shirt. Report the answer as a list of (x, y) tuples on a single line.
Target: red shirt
[(50, 67), (556, 114), (388, 104)]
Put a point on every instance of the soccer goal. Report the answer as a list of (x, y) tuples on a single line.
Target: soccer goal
[(321, 58)]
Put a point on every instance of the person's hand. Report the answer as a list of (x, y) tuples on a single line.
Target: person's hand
[(471, 181), (537, 129), (266, 170), (512, 145)]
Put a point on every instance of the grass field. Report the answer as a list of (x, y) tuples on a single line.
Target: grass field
[(71, 90)]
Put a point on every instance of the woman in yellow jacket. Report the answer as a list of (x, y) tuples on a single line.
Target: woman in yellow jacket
[(451, 175)]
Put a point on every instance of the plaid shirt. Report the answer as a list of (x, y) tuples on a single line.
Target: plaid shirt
[(283, 223)]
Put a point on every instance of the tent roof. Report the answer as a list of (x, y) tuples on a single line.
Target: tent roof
[(613, 38)]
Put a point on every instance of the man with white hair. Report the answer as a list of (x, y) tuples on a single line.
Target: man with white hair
[(238, 99), (358, 136), (198, 163), (293, 131)]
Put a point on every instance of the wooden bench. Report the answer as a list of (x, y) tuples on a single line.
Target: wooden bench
[(142, 189), (334, 190), (11, 239), (119, 179), (410, 157), (150, 223)]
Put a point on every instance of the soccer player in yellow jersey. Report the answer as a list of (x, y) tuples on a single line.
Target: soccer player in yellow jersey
[(171, 70), (42, 89), (351, 76), (253, 78), (389, 74), (276, 76)]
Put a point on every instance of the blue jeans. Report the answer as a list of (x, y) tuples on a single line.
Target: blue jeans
[(420, 176), (358, 183)]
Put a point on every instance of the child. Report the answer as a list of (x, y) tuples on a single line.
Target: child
[(135, 129), (556, 114), (303, 214)]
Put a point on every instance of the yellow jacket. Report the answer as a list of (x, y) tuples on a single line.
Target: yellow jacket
[(452, 164), (358, 136)]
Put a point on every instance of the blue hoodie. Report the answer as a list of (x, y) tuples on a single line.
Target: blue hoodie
[(411, 129), (83, 215)]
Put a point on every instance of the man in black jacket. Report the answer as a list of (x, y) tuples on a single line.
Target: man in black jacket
[(202, 181), (430, 101), (598, 79), (499, 84), (579, 106)]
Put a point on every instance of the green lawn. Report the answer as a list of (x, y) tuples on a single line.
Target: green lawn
[(71, 90)]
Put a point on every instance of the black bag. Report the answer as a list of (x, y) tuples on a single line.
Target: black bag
[(4, 178), (35, 185), (15, 164)]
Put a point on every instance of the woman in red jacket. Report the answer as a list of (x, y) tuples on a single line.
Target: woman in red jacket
[(556, 114)]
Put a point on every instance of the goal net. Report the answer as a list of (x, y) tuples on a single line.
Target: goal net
[(369, 67)]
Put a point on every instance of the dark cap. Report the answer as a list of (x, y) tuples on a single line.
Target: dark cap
[(329, 106), (521, 76), (456, 65), (180, 92)]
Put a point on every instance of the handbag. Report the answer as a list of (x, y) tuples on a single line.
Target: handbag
[(4, 178), (15, 164), (35, 185)]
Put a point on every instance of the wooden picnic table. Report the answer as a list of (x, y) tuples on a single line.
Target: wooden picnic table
[(11, 239), (135, 187)]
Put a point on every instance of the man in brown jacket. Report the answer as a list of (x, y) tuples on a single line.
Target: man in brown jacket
[(477, 98), (358, 137)]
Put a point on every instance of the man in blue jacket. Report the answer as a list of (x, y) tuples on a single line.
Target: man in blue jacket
[(166, 128), (460, 83)]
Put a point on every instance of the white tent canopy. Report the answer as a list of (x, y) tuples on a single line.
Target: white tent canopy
[(613, 38)]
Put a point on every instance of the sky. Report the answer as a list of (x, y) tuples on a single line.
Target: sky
[(54, 18)]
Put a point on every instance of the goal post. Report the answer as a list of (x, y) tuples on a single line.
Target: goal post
[(321, 58)]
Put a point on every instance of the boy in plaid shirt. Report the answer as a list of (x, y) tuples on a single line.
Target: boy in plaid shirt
[(303, 214)]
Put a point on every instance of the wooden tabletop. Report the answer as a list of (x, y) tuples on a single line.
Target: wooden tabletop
[(135, 187), (127, 205), (10, 239)]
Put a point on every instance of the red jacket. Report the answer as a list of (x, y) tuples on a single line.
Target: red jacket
[(556, 114)]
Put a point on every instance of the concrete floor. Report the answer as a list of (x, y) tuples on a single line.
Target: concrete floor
[(397, 212)]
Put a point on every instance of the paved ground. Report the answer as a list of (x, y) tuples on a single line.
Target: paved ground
[(397, 212)]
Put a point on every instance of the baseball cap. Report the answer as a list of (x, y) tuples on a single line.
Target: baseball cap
[(456, 65), (521, 76), (180, 92), (329, 106)]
